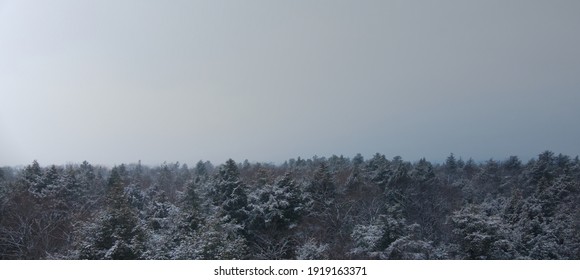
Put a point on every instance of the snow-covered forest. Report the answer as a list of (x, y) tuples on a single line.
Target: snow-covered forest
[(318, 208)]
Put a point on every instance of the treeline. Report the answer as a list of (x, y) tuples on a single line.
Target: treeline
[(319, 208)]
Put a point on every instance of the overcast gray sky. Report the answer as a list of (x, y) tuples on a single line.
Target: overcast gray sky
[(119, 81)]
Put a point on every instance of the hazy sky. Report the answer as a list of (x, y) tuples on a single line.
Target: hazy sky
[(119, 81)]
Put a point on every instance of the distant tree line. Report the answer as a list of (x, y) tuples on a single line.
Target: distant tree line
[(318, 208)]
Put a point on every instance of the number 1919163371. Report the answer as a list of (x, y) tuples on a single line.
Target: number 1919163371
[(337, 271)]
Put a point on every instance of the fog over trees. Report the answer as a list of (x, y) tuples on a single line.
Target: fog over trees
[(317, 208)]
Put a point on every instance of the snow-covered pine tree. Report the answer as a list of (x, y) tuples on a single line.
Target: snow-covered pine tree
[(117, 232)]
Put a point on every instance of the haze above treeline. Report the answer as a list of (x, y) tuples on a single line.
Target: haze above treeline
[(112, 83)]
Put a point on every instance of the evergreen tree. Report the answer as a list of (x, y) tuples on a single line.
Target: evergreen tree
[(423, 173), (358, 160), (229, 193), (482, 236), (117, 233), (32, 177), (512, 165), (280, 206), (470, 168), (379, 169), (322, 190), (451, 168)]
